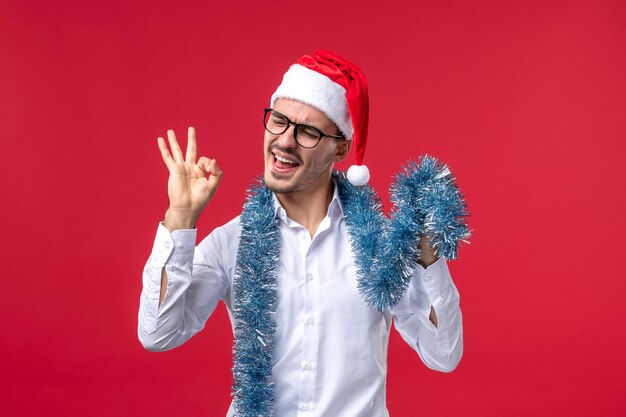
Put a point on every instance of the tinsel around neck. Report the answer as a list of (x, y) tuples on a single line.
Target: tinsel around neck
[(426, 200)]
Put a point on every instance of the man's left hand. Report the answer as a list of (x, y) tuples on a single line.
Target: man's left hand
[(428, 255)]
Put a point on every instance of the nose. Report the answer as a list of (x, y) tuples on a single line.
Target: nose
[(288, 137)]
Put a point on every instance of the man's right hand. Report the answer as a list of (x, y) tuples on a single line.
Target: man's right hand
[(191, 184)]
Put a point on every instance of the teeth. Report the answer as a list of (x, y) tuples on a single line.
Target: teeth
[(283, 160)]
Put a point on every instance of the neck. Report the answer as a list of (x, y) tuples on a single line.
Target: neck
[(308, 207)]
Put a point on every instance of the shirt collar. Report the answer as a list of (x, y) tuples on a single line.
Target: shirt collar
[(335, 208)]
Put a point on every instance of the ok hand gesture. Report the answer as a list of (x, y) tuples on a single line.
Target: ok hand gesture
[(191, 184)]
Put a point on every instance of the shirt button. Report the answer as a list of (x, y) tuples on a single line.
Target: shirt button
[(167, 245), (310, 322), (307, 367), (309, 277), (302, 237), (304, 407), (179, 244), (428, 278)]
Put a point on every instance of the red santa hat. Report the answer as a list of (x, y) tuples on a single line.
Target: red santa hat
[(337, 88)]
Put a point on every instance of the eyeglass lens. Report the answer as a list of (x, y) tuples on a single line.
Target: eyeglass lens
[(277, 124)]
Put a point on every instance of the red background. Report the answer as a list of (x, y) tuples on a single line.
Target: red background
[(524, 100)]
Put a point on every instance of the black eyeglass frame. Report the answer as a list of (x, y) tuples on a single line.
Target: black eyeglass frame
[(295, 129)]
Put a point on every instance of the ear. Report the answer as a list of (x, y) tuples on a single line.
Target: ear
[(343, 147)]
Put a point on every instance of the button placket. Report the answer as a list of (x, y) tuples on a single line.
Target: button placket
[(305, 407), (310, 340)]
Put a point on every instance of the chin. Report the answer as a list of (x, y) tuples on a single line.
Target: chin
[(278, 185)]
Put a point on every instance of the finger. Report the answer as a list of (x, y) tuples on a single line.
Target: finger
[(209, 166), (203, 166), (200, 167), (177, 154), (216, 175), (215, 169), (165, 153), (425, 237), (191, 145)]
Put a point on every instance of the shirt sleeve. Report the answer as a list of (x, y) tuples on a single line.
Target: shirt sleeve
[(440, 347), (196, 281)]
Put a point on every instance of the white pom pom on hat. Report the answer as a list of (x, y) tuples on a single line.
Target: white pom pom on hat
[(338, 88), (358, 175)]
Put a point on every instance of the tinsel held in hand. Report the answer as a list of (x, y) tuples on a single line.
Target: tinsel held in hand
[(426, 201), (426, 196)]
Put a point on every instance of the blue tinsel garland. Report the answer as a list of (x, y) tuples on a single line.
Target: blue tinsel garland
[(255, 297), (426, 201)]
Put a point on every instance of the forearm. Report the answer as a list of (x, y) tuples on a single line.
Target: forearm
[(428, 256), (176, 219), (437, 337), (163, 326), (441, 341), (163, 289), (166, 274)]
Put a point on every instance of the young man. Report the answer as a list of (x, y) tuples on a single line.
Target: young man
[(306, 344)]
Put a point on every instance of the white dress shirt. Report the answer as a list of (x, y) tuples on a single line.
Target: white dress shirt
[(330, 355)]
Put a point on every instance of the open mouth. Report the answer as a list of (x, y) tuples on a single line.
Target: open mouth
[(283, 163)]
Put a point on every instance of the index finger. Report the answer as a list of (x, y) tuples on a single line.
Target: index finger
[(177, 154), (165, 153), (191, 145)]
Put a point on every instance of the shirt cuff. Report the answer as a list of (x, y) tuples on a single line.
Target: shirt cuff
[(178, 245), (435, 277)]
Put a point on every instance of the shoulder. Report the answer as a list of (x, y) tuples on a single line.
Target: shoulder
[(231, 228), (223, 240)]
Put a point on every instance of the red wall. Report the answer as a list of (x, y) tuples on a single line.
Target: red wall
[(524, 100)]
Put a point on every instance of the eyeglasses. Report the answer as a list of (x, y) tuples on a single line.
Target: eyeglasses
[(306, 136)]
